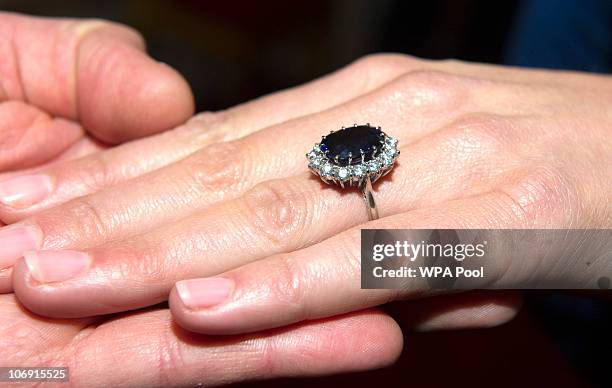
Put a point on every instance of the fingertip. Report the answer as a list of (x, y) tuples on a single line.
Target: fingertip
[(474, 310), (195, 320), (26, 295), (180, 313), (128, 95), (357, 341), (41, 300), (364, 340), (161, 99), (95, 72), (205, 306), (383, 340), (166, 101)]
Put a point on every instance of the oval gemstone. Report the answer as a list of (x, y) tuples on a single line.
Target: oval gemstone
[(352, 141)]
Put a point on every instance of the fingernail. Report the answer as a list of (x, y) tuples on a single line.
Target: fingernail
[(24, 191), (14, 240), (207, 292), (56, 266)]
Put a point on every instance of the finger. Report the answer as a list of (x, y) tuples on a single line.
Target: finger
[(22, 194), (324, 279), (84, 70), (465, 310), (124, 162), (226, 170), (147, 349), (274, 217), (85, 146), (29, 136), (81, 177), (479, 154)]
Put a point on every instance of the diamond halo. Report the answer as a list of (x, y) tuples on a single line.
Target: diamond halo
[(380, 157)]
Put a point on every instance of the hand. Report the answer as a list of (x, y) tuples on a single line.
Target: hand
[(112, 170), (482, 146), (68, 86), (146, 348)]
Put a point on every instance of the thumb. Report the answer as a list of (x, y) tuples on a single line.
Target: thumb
[(92, 71)]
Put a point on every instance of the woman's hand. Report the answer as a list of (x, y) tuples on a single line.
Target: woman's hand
[(111, 171), (482, 146)]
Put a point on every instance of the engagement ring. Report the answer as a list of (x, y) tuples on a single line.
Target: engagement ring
[(355, 156)]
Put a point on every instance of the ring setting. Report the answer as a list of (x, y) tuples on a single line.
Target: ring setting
[(355, 156)]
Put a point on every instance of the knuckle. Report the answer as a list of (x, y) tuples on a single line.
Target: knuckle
[(479, 134), (216, 168), (149, 267), (374, 68), (430, 90), (83, 209), (277, 209), (450, 62), (79, 220), (350, 262), (170, 358), (288, 284), (210, 127), (383, 62), (205, 120), (544, 197), (429, 78), (96, 173), (269, 361)]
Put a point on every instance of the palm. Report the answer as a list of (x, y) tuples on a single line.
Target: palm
[(26, 339)]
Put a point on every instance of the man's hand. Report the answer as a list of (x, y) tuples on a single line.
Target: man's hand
[(67, 89), (66, 85), (146, 348)]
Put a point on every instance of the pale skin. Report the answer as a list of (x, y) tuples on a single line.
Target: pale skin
[(61, 155), (482, 146), (227, 195)]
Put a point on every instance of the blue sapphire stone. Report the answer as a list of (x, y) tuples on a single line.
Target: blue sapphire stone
[(353, 141)]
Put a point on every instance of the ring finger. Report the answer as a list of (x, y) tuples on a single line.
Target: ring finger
[(61, 182)]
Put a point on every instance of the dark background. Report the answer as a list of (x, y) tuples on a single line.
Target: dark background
[(233, 51)]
